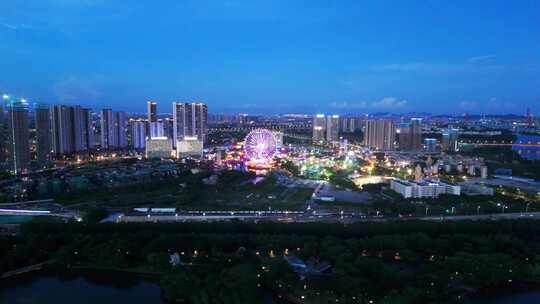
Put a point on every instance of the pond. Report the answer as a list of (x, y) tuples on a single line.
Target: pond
[(104, 287), (518, 298), (84, 287), (14, 219)]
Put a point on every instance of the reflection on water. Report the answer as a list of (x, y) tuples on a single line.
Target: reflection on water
[(14, 219), (80, 287), (530, 153), (519, 298), (90, 287)]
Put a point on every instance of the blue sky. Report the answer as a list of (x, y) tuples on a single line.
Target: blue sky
[(275, 56)]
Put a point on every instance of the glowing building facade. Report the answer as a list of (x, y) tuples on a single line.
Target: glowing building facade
[(18, 144)]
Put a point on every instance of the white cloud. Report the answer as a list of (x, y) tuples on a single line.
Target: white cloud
[(472, 64), (481, 59), (73, 89), (419, 67), (385, 103), (9, 26), (349, 105), (388, 103), (76, 2), (496, 104), (468, 105)]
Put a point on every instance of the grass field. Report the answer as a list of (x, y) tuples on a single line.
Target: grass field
[(233, 191)]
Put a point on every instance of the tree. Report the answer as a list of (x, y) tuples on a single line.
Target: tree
[(95, 215), (159, 260)]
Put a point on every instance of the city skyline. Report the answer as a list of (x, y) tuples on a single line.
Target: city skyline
[(162, 108), (275, 57), (269, 151)]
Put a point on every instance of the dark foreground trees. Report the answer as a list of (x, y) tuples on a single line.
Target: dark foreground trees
[(233, 262)]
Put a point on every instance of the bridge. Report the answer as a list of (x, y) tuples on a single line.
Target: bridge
[(277, 128), (252, 127), (500, 144)]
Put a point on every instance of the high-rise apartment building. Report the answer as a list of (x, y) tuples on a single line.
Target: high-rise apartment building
[(71, 129), (410, 135), (348, 124), (121, 129), (319, 127), (416, 134), (2, 132), (189, 120), (332, 128), (430, 145), (168, 126), (450, 140), (113, 129), (83, 132), (404, 135), (380, 134), (157, 129), (89, 123), (109, 139), (43, 133), (152, 111), (18, 143), (62, 130), (138, 134)]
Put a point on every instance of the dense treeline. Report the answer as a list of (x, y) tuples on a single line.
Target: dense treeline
[(523, 228), (232, 262)]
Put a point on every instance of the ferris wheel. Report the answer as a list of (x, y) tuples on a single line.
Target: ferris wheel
[(260, 144)]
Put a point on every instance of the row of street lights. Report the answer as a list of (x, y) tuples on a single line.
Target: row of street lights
[(503, 207)]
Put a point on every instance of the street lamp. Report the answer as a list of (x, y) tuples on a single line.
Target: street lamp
[(427, 209), (478, 210), (527, 207)]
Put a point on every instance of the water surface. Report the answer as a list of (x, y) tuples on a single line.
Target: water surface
[(80, 287), (14, 219)]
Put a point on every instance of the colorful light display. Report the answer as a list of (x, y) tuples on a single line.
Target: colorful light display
[(260, 145)]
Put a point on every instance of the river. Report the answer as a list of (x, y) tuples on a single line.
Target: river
[(14, 219), (517, 298), (90, 287)]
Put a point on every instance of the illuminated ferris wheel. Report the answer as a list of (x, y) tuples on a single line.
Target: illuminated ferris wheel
[(260, 145)]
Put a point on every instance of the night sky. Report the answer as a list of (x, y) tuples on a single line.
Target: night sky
[(275, 56)]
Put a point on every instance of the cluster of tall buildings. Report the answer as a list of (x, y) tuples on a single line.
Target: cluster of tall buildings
[(350, 124), (18, 146), (410, 135), (380, 134), (326, 128), (55, 131), (59, 130), (450, 140), (113, 129), (183, 135), (63, 130)]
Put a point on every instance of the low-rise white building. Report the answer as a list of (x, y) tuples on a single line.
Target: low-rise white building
[(424, 188), (158, 147), (474, 188), (190, 146)]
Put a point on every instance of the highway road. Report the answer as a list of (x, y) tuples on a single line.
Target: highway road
[(311, 217)]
